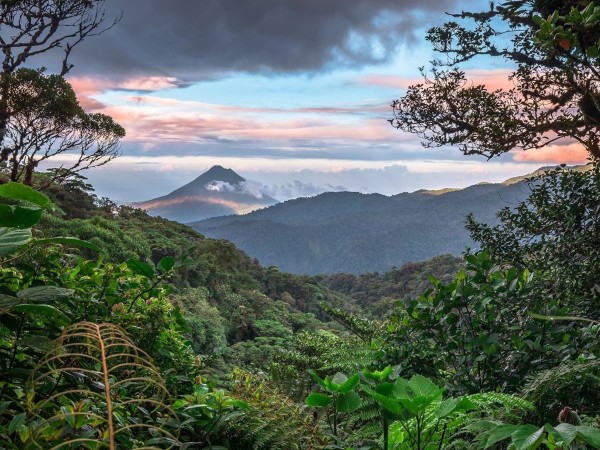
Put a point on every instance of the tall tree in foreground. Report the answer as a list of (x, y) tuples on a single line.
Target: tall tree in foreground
[(46, 120), (39, 114), (555, 93)]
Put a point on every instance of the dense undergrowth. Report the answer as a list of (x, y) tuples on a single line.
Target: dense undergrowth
[(120, 330)]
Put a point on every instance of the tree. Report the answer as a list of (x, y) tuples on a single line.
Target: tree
[(555, 93), (46, 120), (555, 232), (49, 120)]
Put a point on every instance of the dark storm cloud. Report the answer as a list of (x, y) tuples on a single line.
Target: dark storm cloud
[(194, 39)]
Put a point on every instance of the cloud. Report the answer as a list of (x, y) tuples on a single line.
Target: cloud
[(253, 189), (492, 79), (555, 154), (191, 39), (296, 188)]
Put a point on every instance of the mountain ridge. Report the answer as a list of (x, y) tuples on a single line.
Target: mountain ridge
[(355, 233)]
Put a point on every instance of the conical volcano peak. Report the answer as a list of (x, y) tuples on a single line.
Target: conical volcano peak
[(218, 173), (217, 192)]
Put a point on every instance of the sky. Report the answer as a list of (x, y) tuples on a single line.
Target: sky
[(294, 95)]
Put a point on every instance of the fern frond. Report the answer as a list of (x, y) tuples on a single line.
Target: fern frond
[(96, 387), (546, 381)]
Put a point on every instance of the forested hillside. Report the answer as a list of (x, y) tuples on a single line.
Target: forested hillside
[(356, 233)]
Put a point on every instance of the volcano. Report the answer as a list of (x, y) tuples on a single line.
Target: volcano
[(217, 192)]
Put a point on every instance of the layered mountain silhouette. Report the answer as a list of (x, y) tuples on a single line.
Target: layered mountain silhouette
[(356, 233), (217, 192)]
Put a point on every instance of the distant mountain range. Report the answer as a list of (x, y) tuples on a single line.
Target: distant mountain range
[(217, 192), (356, 233)]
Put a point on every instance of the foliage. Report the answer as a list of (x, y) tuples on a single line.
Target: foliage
[(526, 437), (408, 402), (340, 397), (573, 383), (96, 388), (39, 114), (376, 293), (273, 421), (35, 27), (553, 94), (555, 233), (46, 120), (482, 322), (205, 412)]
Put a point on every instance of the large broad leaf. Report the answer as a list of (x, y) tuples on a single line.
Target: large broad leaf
[(345, 386), (564, 432), (386, 389), (454, 405), (19, 216), (591, 435), (348, 402), (13, 238), (39, 343), (140, 268), (44, 311), (166, 263), (18, 191), (500, 433), (389, 404), (423, 387), (8, 301), (528, 437), (45, 294), (69, 241), (318, 400)]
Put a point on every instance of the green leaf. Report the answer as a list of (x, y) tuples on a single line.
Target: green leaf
[(44, 294), (69, 241), (389, 404), (499, 434), (40, 343), (16, 422), (18, 191), (318, 400), (386, 389), (564, 432), (8, 301), (453, 405), (19, 216), (13, 238), (527, 437), (422, 386), (378, 375), (317, 379), (140, 268), (348, 402), (348, 385), (567, 318), (43, 310), (590, 435), (166, 264)]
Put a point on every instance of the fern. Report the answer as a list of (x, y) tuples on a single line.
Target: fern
[(97, 389), (547, 380), (273, 421)]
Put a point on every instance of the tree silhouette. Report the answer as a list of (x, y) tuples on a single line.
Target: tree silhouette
[(554, 91)]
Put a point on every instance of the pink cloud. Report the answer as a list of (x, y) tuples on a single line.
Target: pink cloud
[(492, 79), (555, 154), (87, 88)]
